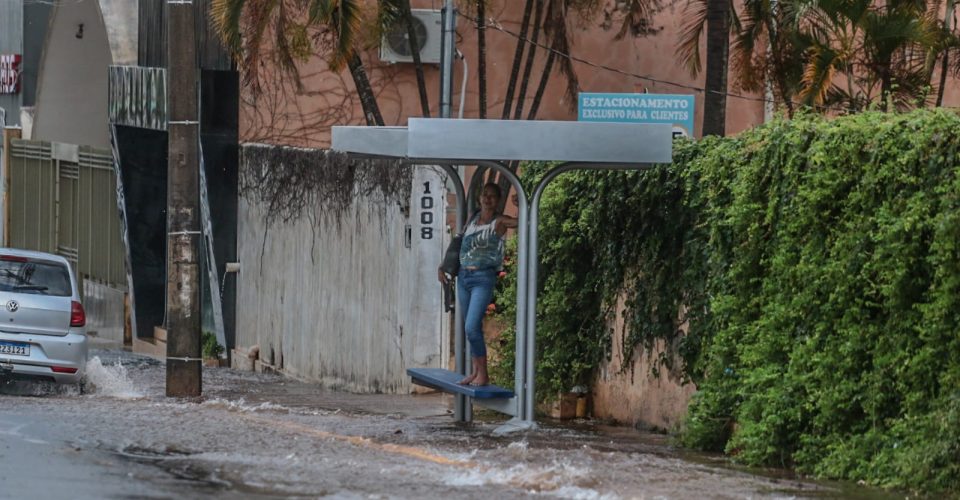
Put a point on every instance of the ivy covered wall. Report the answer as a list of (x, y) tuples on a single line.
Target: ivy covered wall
[(816, 267)]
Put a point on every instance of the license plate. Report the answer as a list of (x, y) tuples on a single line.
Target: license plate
[(14, 349)]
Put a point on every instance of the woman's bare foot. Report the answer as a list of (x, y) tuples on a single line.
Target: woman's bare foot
[(481, 378), (468, 380)]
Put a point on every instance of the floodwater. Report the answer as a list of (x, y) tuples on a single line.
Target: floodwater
[(267, 436)]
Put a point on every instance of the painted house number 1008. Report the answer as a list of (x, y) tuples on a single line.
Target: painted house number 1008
[(426, 214)]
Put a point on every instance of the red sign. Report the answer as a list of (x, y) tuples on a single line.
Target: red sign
[(9, 73)]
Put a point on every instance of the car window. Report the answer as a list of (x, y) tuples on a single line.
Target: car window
[(35, 277)]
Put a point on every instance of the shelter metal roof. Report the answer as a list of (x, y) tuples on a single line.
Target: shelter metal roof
[(473, 139)]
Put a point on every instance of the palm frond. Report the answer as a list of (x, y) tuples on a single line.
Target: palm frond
[(748, 65), (818, 74), (390, 12), (285, 55), (320, 12), (257, 20), (555, 28), (689, 46), (346, 23), (225, 19), (639, 15)]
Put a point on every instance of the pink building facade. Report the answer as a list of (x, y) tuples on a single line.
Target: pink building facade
[(282, 115)]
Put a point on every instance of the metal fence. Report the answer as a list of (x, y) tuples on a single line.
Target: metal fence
[(62, 200)]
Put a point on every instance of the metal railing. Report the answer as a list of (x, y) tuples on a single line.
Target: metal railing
[(63, 201)]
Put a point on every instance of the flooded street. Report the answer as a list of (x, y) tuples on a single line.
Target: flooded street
[(266, 436)]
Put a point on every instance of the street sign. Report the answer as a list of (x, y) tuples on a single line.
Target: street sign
[(675, 109)]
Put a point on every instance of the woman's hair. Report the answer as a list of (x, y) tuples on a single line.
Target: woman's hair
[(495, 187)]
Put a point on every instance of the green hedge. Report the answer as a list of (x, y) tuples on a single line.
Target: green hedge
[(818, 264)]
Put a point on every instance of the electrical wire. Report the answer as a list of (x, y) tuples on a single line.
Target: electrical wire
[(495, 24)]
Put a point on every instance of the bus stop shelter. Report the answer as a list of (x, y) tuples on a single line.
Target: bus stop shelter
[(490, 143)]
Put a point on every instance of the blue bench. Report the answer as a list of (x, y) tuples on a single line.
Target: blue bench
[(446, 381)]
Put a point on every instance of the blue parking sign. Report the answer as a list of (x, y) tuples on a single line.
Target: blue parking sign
[(675, 109)]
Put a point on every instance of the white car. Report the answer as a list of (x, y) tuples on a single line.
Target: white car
[(42, 322)]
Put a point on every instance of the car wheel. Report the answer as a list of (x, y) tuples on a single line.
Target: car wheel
[(82, 387)]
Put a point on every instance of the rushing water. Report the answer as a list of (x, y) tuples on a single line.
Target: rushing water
[(256, 435)]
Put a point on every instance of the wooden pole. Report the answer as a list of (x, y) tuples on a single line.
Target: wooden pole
[(183, 204)]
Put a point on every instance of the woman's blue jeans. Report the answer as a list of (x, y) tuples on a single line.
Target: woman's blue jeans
[(474, 294)]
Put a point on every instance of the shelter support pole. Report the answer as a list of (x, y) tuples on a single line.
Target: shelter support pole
[(534, 259), (462, 409), (521, 384)]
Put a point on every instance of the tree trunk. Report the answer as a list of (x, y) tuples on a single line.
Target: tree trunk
[(417, 63), (946, 53), (525, 81), (718, 52), (886, 85), (779, 71), (517, 60), (556, 29), (482, 57), (943, 76), (368, 100), (534, 107), (547, 69)]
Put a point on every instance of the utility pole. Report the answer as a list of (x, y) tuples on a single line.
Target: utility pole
[(183, 203), (447, 49)]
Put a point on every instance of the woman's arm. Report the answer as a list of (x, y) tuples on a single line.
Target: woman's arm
[(505, 222), (442, 276)]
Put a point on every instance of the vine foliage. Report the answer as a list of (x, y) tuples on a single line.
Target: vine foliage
[(816, 265), (322, 185)]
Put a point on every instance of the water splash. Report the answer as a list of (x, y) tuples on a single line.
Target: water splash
[(242, 406), (551, 478), (111, 380)]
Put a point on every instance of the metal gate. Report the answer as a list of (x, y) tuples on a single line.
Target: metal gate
[(63, 201)]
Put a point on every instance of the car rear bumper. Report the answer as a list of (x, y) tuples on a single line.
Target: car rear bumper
[(46, 352)]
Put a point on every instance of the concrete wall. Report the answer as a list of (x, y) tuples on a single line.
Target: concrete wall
[(351, 307), (630, 394), (36, 20), (72, 89), (120, 19)]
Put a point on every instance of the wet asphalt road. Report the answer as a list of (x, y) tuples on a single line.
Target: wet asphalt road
[(266, 436)]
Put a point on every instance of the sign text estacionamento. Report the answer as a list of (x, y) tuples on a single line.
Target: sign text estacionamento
[(676, 110)]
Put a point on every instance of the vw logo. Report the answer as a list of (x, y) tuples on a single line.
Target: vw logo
[(13, 306)]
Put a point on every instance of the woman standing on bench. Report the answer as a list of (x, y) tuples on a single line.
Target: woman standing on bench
[(481, 259)]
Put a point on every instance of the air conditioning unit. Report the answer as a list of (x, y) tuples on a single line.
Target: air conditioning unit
[(395, 45)]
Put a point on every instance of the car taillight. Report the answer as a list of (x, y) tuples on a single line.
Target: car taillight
[(63, 369), (13, 258), (77, 316)]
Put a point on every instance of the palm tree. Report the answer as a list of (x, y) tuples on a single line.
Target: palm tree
[(945, 64), (550, 17), (482, 57), (243, 24), (767, 49), (718, 56), (884, 53), (517, 59), (719, 19), (392, 14)]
